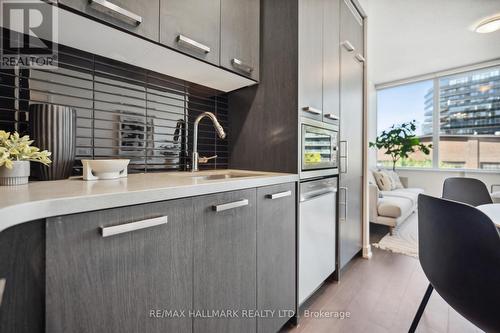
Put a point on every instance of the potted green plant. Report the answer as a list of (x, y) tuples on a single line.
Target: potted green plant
[(399, 141), (16, 153)]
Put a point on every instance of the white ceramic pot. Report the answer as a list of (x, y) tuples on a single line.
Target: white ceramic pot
[(18, 175)]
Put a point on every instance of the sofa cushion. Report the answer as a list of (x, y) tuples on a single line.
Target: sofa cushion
[(396, 181), (394, 206), (383, 180), (408, 193), (415, 190)]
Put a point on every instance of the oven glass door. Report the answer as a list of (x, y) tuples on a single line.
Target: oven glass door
[(319, 148)]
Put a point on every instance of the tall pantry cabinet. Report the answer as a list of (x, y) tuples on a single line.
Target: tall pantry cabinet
[(312, 67), (351, 132)]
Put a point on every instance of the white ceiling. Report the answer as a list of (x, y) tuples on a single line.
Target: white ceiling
[(408, 38)]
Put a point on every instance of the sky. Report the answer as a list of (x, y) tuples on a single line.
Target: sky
[(402, 104)]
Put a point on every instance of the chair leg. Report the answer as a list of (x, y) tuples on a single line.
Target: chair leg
[(421, 309)]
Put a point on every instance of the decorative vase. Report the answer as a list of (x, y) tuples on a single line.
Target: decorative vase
[(18, 175), (53, 127)]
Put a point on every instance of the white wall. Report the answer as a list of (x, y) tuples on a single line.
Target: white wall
[(432, 180)]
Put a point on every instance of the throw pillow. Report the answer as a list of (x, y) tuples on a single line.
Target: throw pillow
[(383, 180), (396, 181)]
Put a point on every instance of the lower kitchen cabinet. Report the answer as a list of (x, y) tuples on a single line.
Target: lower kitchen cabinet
[(275, 256), (202, 264), (225, 261), (115, 283)]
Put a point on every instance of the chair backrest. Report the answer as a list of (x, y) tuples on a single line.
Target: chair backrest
[(459, 250), (467, 190)]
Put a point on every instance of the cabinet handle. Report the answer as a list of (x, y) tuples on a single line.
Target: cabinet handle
[(345, 189), (344, 156), (360, 58), (230, 205), (331, 116), (133, 226), (312, 110), (185, 41), (304, 198), (279, 195), (348, 46), (241, 65), (116, 11)]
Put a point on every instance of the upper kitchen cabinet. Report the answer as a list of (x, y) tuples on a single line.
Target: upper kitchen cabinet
[(331, 63), (139, 17), (352, 32), (192, 27), (240, 36), (310, 80), (319, 65)]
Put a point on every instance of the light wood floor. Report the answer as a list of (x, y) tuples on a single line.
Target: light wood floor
[(382, 295)]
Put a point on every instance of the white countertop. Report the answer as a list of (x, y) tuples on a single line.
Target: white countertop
[(38, 200)]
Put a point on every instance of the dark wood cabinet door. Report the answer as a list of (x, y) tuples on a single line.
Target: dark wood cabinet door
[(192, 27), (240, 36), (351, 141), (116, 283), (276, 255), (225, 260), (123, 13), (331, 61), (311, 58)]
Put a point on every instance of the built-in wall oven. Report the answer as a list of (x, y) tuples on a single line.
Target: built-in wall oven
[(319, 149)]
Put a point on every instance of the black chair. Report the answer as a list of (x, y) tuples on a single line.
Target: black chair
[(459, 250), (467, 190)]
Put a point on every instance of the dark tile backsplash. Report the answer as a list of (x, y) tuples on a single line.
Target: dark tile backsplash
[(122, 111)]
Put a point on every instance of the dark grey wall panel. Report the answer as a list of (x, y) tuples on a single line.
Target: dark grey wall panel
[(122, 111)]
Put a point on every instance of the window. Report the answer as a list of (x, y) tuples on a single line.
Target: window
[(464, 126), (403, 104)]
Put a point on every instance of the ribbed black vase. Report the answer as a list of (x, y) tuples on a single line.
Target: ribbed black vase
[(53, 127)]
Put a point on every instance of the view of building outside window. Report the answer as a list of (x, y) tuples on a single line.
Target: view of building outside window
[(402, 104), (469, 118)]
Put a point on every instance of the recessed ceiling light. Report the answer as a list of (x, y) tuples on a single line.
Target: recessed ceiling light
[(489, 25)]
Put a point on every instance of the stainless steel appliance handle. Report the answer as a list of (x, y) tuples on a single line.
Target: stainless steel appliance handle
[(241, 65), (312, 110), (279, 195), (360, 58), (185, 41), (348, 46), (344, 154), (345, 189), (230, 205), (331, 116), (116, 11), (316, 195), (133, 226)]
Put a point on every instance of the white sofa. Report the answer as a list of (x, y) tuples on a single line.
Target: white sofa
[(393, 207)]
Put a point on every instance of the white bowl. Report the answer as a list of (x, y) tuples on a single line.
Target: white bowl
[(104, 169)]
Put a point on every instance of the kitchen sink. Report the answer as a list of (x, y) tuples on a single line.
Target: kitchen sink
[(229, 175)]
